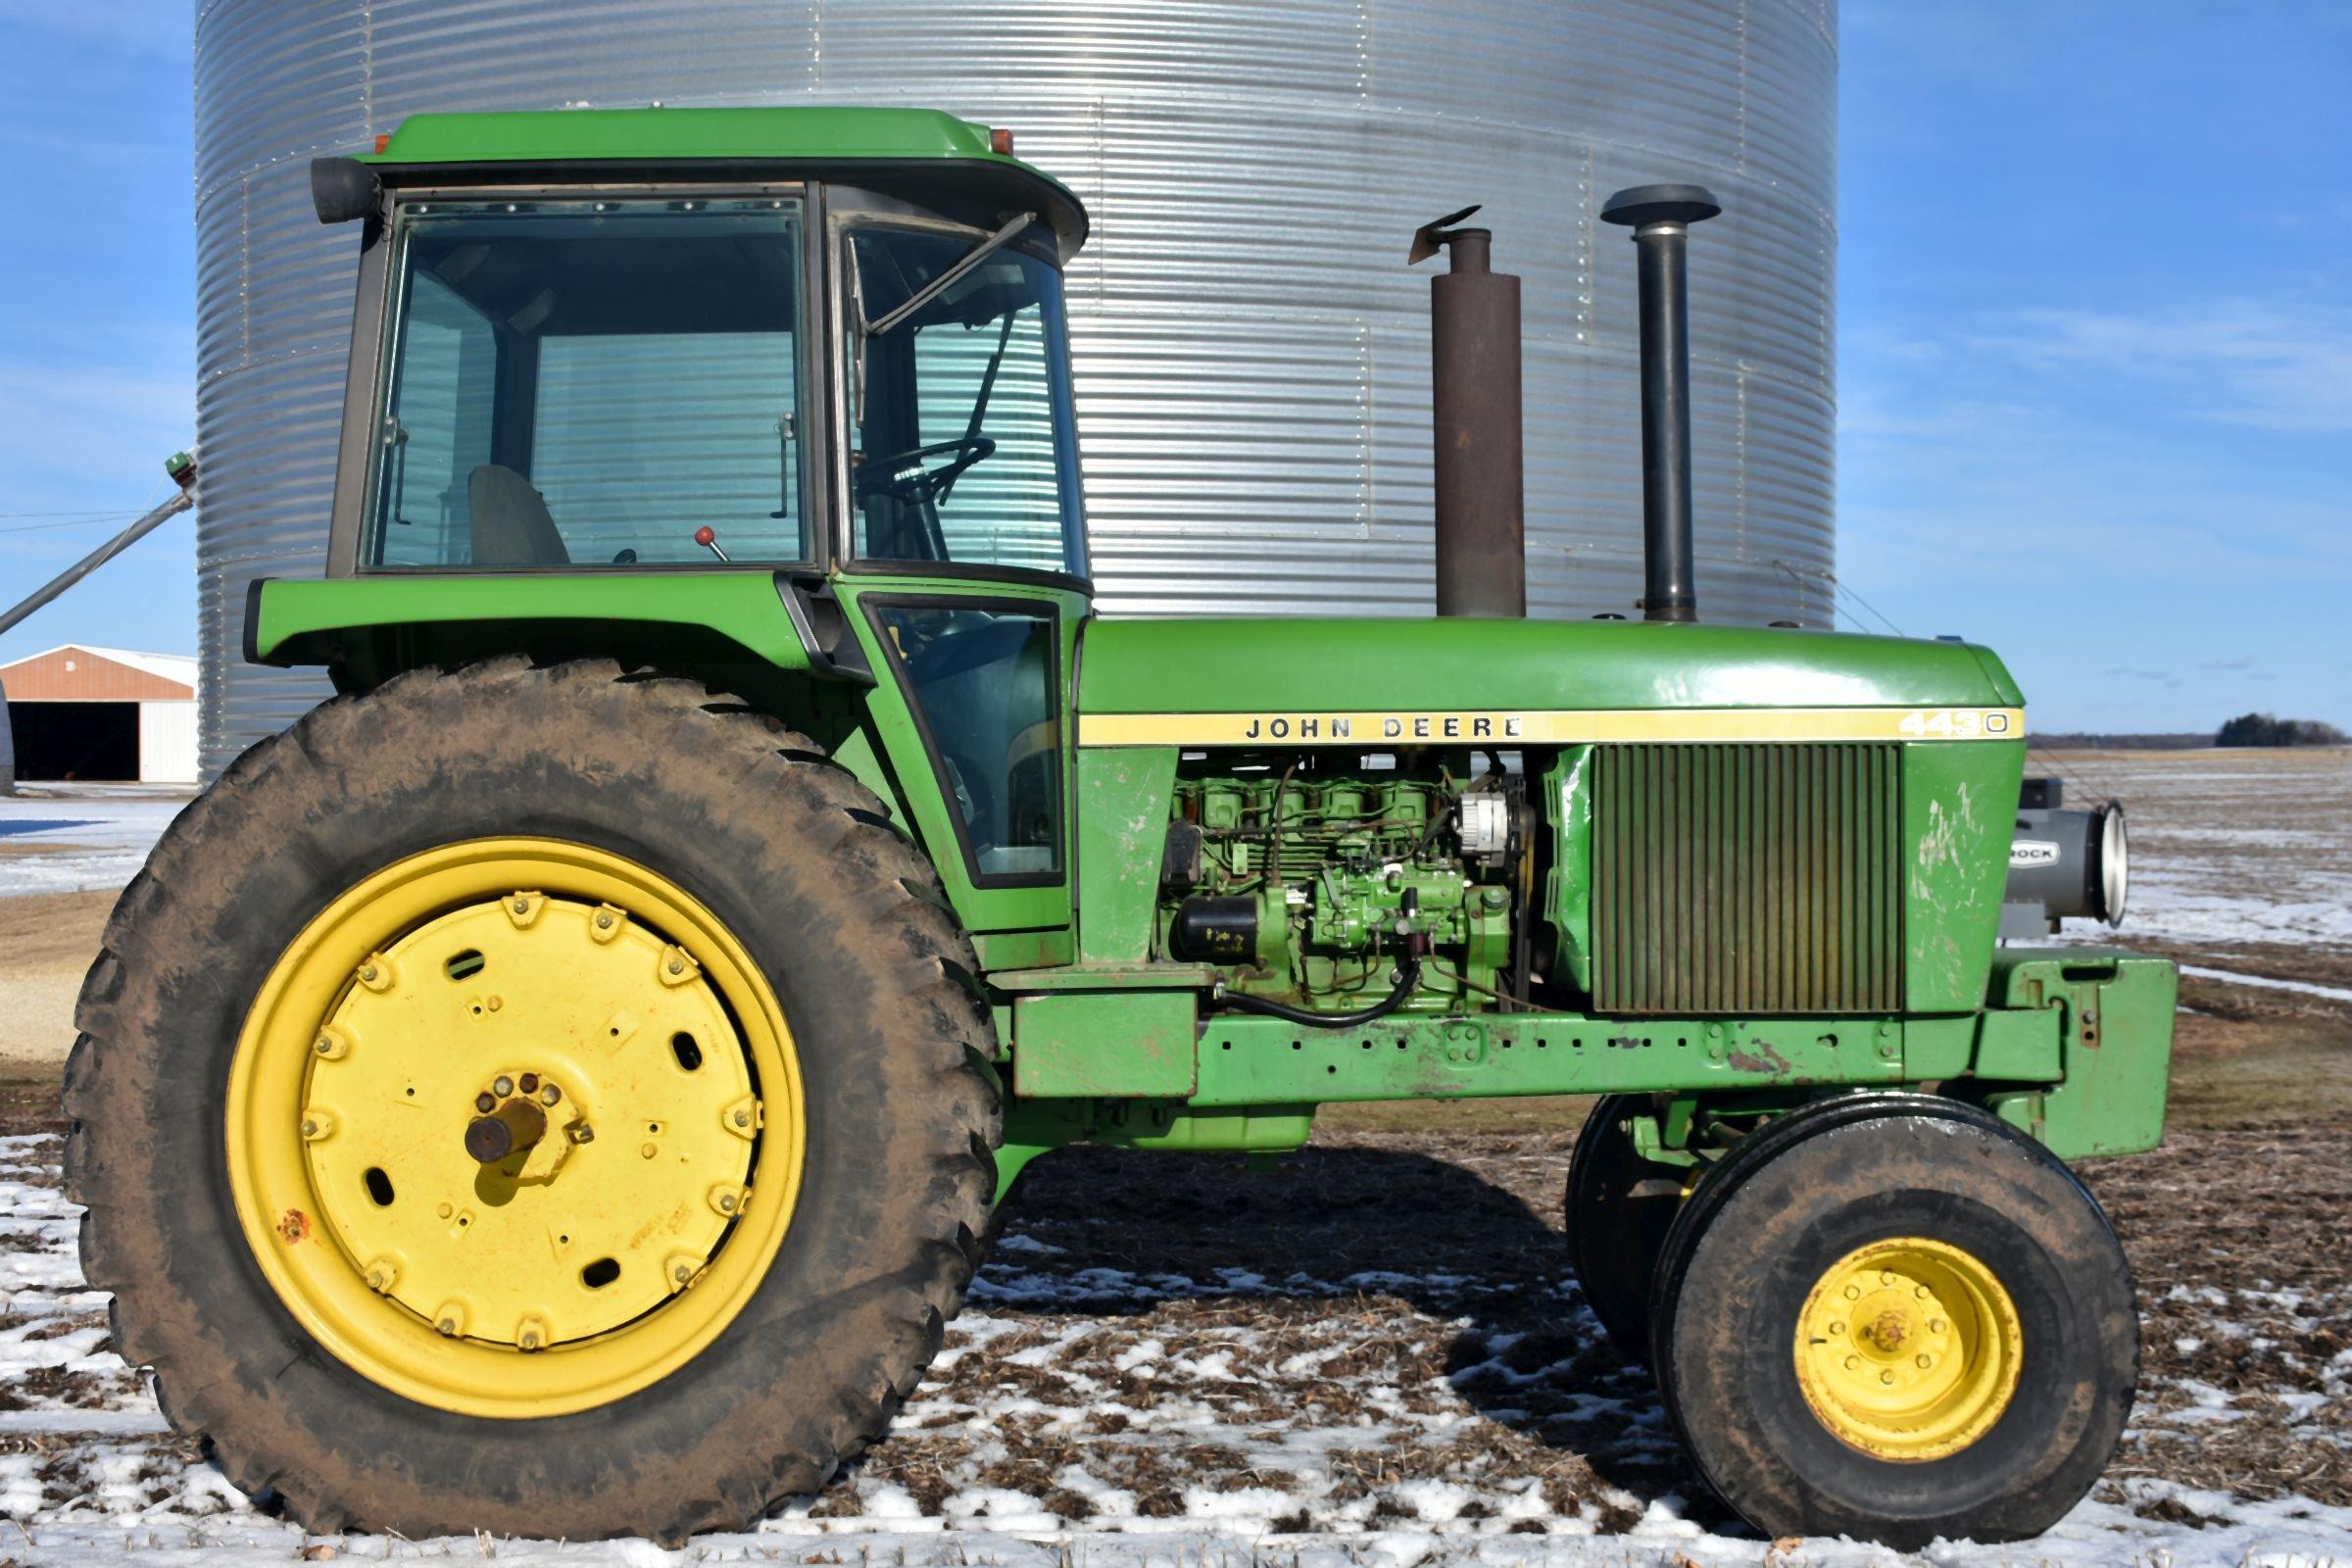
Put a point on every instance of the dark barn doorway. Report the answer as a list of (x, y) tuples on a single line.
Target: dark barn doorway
[(87, 741)]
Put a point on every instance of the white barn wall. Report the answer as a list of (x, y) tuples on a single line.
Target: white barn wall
[(167, 743)]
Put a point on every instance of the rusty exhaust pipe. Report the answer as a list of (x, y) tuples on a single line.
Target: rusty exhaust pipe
[(1481, 462), (1660, 216)]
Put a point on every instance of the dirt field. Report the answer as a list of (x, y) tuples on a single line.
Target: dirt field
[(1380, 1342), (49, 939), (1382, 1336)]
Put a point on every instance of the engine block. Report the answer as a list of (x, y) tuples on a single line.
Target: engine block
[(1316, 890)]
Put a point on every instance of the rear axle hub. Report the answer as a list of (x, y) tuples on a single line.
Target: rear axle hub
[(510, 1014)]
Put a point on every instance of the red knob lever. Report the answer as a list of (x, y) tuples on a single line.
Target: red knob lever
[(708, 538)]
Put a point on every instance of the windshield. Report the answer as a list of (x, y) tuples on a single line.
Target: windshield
[(964, 448), (587, 383)]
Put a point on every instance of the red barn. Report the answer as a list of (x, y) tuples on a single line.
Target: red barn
[(103, 714)]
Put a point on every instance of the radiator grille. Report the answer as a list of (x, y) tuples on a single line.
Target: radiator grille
[(1746, 879)]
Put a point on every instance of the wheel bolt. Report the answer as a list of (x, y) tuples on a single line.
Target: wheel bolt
[(726, 1204), (531, 1083), (604, 922), (522, 906), (1885, 1276), (1936, 1325), (681, 1273), (678, 966), (502, 1085), (550, 1095), (649, 1150), (1853, 1363), (743, 1118), (1837, 1328), (1924, 1361), (494, 1003), (368, 971), (1921, 1292), (583, 1134), (324, 1047), (1853, 1293), (485, 1101)]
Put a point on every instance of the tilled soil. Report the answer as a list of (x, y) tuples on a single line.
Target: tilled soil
[(1390, 1309), (1383, 1333)]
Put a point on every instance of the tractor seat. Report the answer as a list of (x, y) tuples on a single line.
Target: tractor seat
[(509, 520)]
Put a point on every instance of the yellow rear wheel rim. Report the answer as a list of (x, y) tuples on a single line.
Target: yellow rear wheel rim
[(1909, 1349), (515, 1127)]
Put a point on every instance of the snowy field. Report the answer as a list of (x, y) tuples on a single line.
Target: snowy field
[(2243, 859), (80, 838), (1170, 1363)]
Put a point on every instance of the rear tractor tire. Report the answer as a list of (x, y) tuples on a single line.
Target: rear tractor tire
[(1898, 1318), (545, 1101)]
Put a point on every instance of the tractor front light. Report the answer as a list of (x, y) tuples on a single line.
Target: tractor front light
[(2111, 871)]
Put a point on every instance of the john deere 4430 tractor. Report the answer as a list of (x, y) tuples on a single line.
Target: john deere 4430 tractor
[(562, 1084)]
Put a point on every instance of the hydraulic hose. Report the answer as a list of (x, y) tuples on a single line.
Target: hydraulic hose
[(1406, 979)]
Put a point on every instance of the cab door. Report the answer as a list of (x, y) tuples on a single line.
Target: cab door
[(962, 553)]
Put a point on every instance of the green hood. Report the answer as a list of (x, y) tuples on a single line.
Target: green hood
[(1243, 665)]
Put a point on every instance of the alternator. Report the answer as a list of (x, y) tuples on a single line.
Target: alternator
[(1483, 822)]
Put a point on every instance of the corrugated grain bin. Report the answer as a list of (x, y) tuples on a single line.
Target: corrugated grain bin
[(1252, 353)]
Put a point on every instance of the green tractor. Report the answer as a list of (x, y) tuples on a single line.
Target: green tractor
[(563, 1085)]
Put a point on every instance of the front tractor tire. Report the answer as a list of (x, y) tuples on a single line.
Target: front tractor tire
[(1619, 1208), (539, 1100), (1898, 1318)]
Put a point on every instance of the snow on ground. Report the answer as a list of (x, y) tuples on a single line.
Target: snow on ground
[(1325, 1400), (78, 838)]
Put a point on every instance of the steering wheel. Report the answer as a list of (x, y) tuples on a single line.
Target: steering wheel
[(909, 477)]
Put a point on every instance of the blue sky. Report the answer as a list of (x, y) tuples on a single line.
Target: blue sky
[(97, 313), (2095, 339), (2095, 348)]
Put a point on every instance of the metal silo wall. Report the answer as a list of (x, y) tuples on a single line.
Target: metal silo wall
[(1253, 358)]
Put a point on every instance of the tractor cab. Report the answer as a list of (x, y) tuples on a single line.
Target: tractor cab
[(628, 380), (770, 394)]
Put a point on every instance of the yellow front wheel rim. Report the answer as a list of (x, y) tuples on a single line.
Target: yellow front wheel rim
[(515, 1127), (1908, 1349)]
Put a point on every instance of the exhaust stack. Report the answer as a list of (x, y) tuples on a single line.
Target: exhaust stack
[(1481, 465), (1660, 216)]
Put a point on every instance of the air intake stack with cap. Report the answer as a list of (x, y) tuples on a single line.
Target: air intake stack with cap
[(1660, 216)]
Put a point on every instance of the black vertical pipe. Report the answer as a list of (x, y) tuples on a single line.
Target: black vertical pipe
[(1475, 394), (1660, 216), (1668, 592)]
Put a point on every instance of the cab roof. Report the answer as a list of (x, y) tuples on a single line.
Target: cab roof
[(923, 155)]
